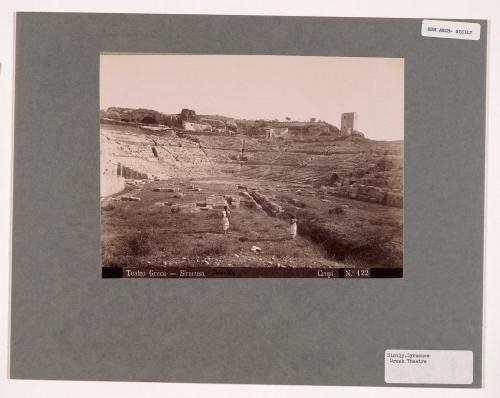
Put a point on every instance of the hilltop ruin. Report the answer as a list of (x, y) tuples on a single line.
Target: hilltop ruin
[(188, 120)]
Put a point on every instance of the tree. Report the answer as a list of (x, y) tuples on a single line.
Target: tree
[(288, 119), (312, 120)]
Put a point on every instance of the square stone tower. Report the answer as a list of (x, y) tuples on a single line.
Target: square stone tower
[(348, 123)]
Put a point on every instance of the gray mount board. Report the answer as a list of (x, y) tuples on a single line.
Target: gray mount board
[(67, 323)]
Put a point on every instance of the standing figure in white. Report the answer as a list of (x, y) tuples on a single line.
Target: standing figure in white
[(293, 227), (225, 220)]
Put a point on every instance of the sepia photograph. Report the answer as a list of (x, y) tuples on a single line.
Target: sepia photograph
[(251, 166), (268, 153)]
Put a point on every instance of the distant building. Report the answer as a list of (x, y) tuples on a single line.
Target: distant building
[(188, 114), (276, 132), (348, 123)]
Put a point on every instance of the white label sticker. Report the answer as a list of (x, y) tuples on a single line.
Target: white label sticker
[(451, 29), (428, 367)]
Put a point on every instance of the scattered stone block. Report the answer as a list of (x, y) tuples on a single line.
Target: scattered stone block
[(165, 189), (297, 203), (272, 208), (131, 198), (256, 249)]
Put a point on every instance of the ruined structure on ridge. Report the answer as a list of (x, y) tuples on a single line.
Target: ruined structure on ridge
[(347, 123)]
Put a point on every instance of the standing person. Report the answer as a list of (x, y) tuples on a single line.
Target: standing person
[(225, 220), (293, 227)]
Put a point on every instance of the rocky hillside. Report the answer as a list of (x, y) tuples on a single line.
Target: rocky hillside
[(356, 168)]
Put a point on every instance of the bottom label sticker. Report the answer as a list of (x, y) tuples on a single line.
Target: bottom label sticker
[(428, 366)]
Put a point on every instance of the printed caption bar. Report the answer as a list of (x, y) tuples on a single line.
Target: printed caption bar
[(250, 272)]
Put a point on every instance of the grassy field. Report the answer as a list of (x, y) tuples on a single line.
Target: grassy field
[(148, 233)]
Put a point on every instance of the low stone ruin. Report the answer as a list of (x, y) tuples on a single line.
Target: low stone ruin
[(271, 207), (233, 200), (371, 194), (216, 201), (130, 198), (166, 189), (248, 201)]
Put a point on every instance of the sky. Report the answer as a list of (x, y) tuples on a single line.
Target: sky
[(261, 87)]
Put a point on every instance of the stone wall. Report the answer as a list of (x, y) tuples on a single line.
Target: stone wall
[(367, 193), (111, 184), (128, 172)]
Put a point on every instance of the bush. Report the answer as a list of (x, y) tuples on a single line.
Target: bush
[(336, 210), (119, 261), (108, 206), (384, 165), (360, 173), (217, 249), (138, 244), (357, 261)]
